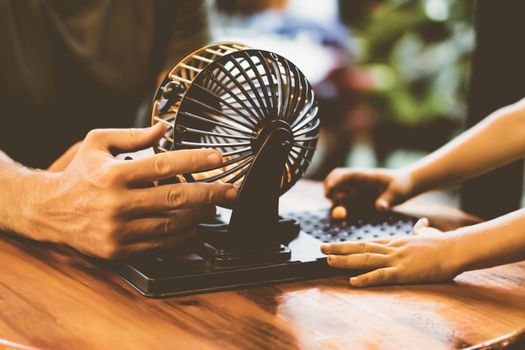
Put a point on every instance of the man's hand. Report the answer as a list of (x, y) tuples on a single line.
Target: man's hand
[(368, 188), (428, 256), (98, 204)]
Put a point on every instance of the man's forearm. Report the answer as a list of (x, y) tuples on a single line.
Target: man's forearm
[(497, 140), (12, 178), (495, 242)]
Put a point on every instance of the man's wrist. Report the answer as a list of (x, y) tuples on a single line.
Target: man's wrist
[(35, 188), (24, 189), (12, 176)]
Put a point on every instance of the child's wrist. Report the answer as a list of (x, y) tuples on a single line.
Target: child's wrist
[(462, 256), (406, 182), (457, 261)]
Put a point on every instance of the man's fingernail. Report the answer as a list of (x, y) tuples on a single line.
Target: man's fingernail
[(353, 281), (214, 158), (325, 248), (231, 194), (156, 127)]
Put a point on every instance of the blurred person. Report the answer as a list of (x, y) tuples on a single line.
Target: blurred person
[(496, 80), (68, 67)]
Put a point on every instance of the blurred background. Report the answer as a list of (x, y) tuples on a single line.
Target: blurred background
[(391, 76)]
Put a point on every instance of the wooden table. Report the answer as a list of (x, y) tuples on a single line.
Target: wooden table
[(54, 298)]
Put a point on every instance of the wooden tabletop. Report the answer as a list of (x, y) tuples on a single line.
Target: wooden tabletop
[(54, 298)]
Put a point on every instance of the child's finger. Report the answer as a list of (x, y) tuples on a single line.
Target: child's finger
[(354, 247), (385, 201), (382, 241), (376, 277), (358, 261), (420, 224)]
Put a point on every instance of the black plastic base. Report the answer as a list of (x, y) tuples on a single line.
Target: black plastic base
[(171, 274), (229, 250), (229, 258)]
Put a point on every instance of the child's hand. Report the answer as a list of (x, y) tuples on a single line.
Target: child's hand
[(368, 188), (425, 257)]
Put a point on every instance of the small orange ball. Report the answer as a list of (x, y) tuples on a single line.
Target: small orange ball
[(339, 213)]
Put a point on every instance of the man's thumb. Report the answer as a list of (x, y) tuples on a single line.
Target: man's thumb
[(126, 139)]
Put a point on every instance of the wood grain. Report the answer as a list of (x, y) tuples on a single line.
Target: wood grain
[(54, 298)]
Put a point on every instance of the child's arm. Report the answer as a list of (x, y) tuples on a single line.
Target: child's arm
[(497, 140), (431, 255)]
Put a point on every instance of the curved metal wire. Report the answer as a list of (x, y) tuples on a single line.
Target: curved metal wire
[(230, 93)]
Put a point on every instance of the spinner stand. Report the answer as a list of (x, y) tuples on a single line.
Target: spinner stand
[(260, 112), (255, 232)]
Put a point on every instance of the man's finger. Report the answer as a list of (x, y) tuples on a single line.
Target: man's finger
[(125, 139), (354, 247), (163, 225), (358, 261), (376, 277), (179, 196), (168, 164), (420, 224)]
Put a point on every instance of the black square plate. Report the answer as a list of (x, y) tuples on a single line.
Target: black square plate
[(169, 273)]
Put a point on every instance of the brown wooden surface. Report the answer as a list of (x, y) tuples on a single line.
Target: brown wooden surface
[(57, 299)]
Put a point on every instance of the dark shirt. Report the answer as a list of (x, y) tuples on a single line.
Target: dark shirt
[(67, 67)]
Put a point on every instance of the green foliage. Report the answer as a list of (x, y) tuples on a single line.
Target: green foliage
[(418, 54)]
